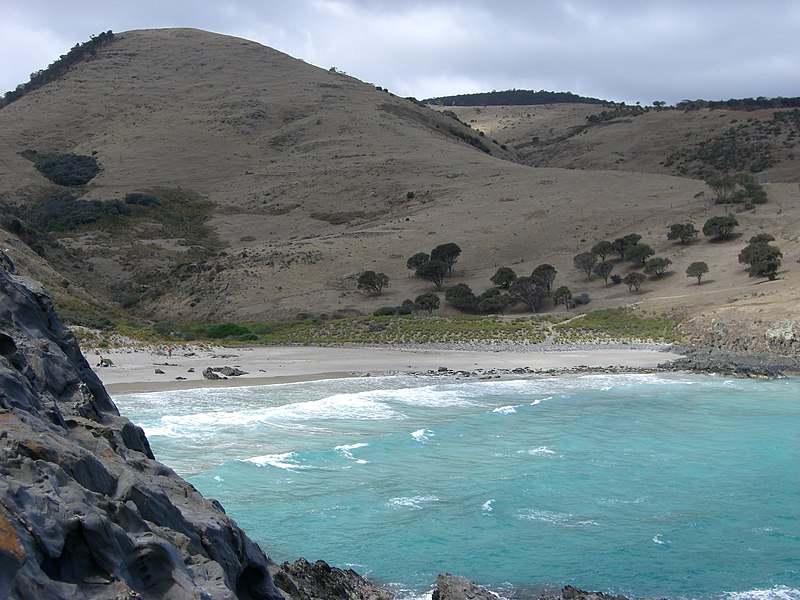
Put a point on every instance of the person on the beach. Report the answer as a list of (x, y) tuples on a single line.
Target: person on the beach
[(169, 352)]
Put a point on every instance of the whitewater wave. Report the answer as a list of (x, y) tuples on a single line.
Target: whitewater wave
[(279, 461), (553, 518), (412, 502), (347, 451), (505, 410), (780, 592), (422, 435), (487, 506)]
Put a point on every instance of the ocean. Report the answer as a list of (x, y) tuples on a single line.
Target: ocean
[(651, 485)]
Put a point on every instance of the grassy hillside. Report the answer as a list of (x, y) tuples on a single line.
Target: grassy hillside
[(264, 186)]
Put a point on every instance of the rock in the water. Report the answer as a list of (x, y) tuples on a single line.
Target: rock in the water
[(302, 580), (85, 509), (452, 587)]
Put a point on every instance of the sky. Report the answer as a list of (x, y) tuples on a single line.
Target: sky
[(620, 50)]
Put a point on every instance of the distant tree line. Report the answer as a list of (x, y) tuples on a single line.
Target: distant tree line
[(513, 98), (58, 67), (740, 103)]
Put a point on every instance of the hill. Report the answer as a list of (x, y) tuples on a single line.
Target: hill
[(261, 186), (513, 98)]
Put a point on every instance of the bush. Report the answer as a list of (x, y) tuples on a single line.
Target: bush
[(141, 199), (385, 311), (63, 211), (68, 169), (581, 299), (226, 330)]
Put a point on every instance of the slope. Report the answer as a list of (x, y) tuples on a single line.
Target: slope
[(277, 183)]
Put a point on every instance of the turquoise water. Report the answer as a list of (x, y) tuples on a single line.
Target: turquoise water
[(676, 486)]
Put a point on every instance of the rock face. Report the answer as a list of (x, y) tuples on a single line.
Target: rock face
[(85, 510)]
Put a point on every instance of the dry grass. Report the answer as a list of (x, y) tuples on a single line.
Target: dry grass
[(309, 173)]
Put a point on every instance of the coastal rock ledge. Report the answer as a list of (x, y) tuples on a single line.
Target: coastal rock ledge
[(85, 509)]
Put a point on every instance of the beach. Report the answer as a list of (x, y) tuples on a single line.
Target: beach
[(155, 369)]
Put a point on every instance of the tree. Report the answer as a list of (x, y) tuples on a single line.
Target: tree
[(547, 273), (603, 270), (764, 260), (413, 263), (633, 280), (530, 290), (433, 270), (373, 282), (447, 253), (722, 187), (585, 262), (563, 295), (697, 269), (620, 245), (761, 237), (638, 254), (496, 303), (428, 302), (603, 249), (720, 228), (685, 232), (657, 266), (503, 277), (461, 297)]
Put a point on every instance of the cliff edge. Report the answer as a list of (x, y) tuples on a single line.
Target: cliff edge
[(85, 509)]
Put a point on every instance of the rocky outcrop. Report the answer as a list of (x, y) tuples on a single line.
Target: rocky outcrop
[(85, 510), (303, 580)]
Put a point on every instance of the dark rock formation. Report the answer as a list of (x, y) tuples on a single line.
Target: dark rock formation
[(85, 510), (451, 587), (303, 580), (738, 364)]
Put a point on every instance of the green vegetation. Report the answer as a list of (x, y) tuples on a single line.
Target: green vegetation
[(585, 262), (58, 67), (657, 266), (603, 271), (697, 269), (503, 277), (720, 228), (685, 232), (66, 169), (616, 323), (634, 280), (513, 98), (638, 254), (373, 282), (763, 260), (63, 211)]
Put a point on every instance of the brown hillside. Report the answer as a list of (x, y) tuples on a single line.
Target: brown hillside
[(304, 175)]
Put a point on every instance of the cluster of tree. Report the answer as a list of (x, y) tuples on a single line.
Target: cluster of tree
[(741, 188), (63, 211), (616, 113), (513, 98), (740, 104), (436, 265), (65, 169), (58, 67), (428, 302), (509, 290), (629, 249), (763, 260)]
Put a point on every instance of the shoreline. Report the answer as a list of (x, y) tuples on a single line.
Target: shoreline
[(137, 370)]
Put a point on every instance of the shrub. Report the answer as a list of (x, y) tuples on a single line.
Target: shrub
[(68, 169), (141, 199), (385, 311), (226, 330)]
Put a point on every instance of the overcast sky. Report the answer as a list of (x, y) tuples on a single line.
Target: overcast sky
[(622, 50)]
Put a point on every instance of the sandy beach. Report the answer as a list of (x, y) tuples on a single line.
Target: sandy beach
[(143, 370)]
